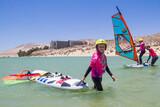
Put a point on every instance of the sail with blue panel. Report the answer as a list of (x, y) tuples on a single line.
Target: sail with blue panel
[(124, 43)]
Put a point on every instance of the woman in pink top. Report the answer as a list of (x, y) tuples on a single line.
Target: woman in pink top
[(142, 49), (153, 55), (98, 65)]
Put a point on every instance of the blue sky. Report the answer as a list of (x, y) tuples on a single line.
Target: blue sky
[(40, 21)]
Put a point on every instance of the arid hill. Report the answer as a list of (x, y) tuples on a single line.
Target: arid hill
[(24, 47)]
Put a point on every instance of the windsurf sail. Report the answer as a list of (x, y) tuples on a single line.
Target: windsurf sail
[(124, 43)]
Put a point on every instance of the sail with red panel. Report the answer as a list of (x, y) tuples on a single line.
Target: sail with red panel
[(124, 43)]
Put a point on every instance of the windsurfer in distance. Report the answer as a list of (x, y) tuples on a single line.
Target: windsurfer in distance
[(152, 54), (141, 49)]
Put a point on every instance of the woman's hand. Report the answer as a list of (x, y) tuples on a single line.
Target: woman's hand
[(113, 78)]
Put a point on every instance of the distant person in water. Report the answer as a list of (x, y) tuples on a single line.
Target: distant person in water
[(98, 65), (152, 54), (141, 49)]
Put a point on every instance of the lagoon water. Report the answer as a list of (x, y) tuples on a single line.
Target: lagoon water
[(138, 87)]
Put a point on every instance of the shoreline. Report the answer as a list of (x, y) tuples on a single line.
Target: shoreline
[(63, 56), (55, 56), (73, 52), (78, 50)]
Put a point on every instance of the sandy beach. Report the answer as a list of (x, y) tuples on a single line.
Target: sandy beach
[(80, 50), (88, 50), (73, 51)]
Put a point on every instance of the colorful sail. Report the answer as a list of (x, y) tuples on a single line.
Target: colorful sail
[(124, 43)]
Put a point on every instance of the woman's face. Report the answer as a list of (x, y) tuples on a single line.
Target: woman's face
[(148, 48), (101, 48)]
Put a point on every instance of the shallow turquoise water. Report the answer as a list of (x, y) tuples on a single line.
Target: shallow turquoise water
[(134, 87)]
